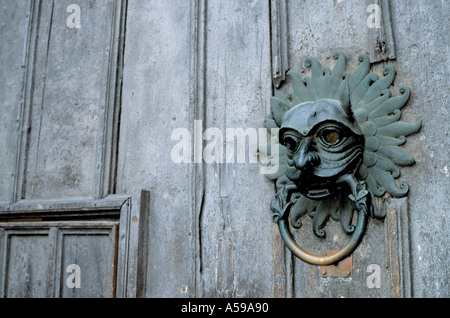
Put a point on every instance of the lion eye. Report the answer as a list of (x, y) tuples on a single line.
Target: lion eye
[(291, 143), (331, 136)]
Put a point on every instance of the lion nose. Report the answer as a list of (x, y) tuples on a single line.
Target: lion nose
[(305, 157)]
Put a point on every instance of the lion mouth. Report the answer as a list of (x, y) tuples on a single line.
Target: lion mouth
[(331, 165), (319, 181)]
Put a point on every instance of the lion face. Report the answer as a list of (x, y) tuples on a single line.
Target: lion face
[(323, 143)]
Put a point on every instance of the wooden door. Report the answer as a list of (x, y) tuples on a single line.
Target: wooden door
[(102, 99), (60, 87), (205, 66)]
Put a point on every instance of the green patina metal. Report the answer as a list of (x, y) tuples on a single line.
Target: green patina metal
[(339, 147)]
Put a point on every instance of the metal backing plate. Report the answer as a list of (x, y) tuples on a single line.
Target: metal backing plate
[(343, 269)]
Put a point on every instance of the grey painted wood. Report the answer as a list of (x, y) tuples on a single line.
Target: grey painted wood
[(26, 263), (419, 47), (36, 256), (66, 100), (216, 254), (14, 59), (397, 249), (317, 29), (115, 217), (422, 52), (156, 100), (236, 229), (93, 248), (112, 203), (279, 40), (197, 112), (206, 230), (381, 43)]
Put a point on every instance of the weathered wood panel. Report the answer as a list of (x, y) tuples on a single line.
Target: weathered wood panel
[(26, 263), (421, 36), (94, 249), (198, 243), (102, 236), (61, 100), (237, 243), (36, 258), (381, 43), (156, 100), (397, 249), (321, 27), (15, 28)]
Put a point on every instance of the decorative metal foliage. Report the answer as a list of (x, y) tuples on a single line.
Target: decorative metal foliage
[(378, 115)]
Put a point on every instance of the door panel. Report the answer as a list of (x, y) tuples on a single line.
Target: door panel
[(95, 250), (395, 244), (13, 59), (28, 265), (60, 107), (44, 243), (37, 257)]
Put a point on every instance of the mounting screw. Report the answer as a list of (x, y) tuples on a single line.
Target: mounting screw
[(324, 272), (348, 273)]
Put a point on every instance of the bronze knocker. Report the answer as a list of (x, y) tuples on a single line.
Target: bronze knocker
[(338, 141)]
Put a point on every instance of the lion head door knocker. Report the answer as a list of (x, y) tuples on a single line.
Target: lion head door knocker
[(339, 136)]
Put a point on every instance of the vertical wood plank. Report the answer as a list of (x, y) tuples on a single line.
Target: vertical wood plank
[(107, 144), (138, 258), (381, 45), (281, 274), (421, 63), (397, 252), (132, 247), (53, 257), (17, 58), (279, 40), (197, 113), (3, 250), (155, 101), (237, 240), (59, 281)]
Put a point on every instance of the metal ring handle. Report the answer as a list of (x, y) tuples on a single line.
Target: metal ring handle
[(329, 259)]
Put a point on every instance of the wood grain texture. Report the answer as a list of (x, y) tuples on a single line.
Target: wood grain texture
[(156, 99), (237, 242), (96, 233), (66, 130)]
